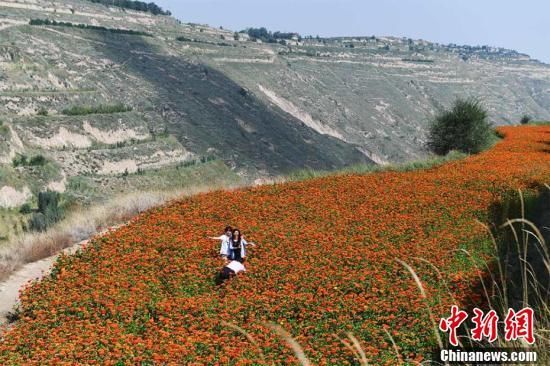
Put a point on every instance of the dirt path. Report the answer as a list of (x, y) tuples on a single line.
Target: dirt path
[(9, 289)]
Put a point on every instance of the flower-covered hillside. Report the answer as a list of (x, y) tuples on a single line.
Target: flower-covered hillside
[(325, 264)]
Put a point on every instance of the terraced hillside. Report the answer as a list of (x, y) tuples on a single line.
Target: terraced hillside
[(325, 264), (181, 110), (196, 93)]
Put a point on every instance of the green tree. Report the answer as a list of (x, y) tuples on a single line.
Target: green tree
[(48, 204), (463, 128), (49, 211)]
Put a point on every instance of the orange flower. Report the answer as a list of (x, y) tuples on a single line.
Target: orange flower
[(325, 265)]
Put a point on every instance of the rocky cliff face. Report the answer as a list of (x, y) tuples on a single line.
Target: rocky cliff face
[(198, 94)]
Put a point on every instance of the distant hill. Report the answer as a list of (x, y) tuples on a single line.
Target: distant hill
[(194, 94)]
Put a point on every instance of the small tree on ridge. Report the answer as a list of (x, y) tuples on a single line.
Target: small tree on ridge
[(464, 128)]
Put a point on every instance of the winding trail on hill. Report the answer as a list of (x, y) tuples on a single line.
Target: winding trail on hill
[(34, 271), (9, 290)]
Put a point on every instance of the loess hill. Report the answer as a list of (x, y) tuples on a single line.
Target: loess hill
[(201, 94)]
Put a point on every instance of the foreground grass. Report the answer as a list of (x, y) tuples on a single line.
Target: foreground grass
[(325, 265)]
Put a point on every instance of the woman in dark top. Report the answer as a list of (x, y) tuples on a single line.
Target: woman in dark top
[(234, 248), (237, 250)]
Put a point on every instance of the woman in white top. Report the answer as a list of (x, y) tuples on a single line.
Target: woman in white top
[(226, 235), (234, 249), (231, 269)]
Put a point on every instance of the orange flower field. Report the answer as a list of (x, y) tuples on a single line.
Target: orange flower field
[(325, 264)]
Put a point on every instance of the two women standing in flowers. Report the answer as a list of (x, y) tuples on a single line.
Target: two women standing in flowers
[(233, 245), (233, 251)]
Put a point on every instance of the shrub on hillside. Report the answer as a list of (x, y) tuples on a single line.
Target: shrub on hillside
[(37, 222), (525, 119), (25, 209), (20, 160), (23, 160), (49, 211), (184, 39), (48, 204), (463, 128), (267, 36), (100, 109), (4, 130), (37, 160), (42, 112)]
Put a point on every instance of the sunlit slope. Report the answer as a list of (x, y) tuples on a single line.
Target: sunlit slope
[(320, 103)]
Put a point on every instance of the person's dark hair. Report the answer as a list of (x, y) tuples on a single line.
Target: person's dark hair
[(239, 237), (228, 228)]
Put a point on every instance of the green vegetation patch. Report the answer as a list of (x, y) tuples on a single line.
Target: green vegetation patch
[(427, 61), (49, 211), (4, 130), (100, 109), (465, 127), (134, 5), (12, 223), (525, 119), (24, 160), (88, 26), (270, 37)]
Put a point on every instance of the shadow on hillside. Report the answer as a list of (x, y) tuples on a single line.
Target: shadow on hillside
[(211, 114)]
